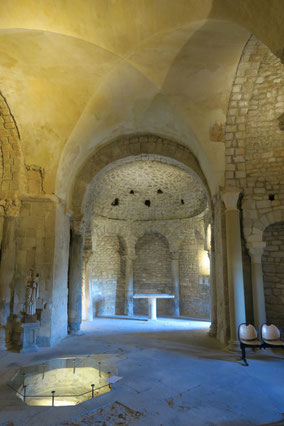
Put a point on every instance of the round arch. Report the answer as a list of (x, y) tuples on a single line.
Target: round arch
[(123, 147), (265, 220)]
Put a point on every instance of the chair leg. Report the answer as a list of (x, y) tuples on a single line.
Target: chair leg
[(243, 348)]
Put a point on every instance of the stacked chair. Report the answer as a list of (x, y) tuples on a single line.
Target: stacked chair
[(248, 338)]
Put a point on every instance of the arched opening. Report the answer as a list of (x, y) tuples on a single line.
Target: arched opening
[(145, 225), (273, 273), (152, 273)]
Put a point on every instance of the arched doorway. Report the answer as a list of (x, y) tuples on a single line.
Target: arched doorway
[(273, 273), (161, 193)]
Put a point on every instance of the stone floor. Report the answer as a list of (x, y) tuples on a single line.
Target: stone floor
[(173, 374)]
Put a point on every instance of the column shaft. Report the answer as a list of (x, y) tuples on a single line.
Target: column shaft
[(235, 273), (152, 308), (7, 271), (75, 283), (258, 295), (256, 250), (213, 295), (234, 266), (175, 277), (129, 286)]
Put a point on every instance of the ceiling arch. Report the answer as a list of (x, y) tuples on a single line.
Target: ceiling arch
[(78, 74)]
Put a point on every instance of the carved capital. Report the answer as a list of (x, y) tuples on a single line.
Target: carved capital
[(255, 249), (131, 255), (230, 197), (12, 207), (174, 255), (77, 226)]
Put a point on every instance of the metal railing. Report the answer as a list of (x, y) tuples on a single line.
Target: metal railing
[(22, 382)]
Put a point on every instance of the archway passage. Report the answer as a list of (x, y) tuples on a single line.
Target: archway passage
[(146, 217), (273, 273)]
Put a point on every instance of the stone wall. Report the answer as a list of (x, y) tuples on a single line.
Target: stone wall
[(184, 238), (221, 278), (60, 274), (12, 174), (194, 280), (152, 273), (35, 250), (253, 137), (273, 273), (254, 141), (106, 272)]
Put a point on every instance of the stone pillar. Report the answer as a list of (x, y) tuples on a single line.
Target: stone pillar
[(8, 265), (213, 295), (234, 265), (256, 251), (75, 280), (129, 258), (152, 308), (175, 278), (88, 300)]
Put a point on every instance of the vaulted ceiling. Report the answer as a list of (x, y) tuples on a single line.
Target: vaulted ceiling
[(145, 189), (78, 73)]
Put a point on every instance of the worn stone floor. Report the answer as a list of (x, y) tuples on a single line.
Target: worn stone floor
[(173, 374)]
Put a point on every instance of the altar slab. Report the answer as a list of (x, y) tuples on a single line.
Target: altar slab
[(152, 302)]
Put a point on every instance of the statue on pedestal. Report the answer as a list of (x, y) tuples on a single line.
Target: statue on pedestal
[(32, 293)]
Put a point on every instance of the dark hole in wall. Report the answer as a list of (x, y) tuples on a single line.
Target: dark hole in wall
[(115, 202), (147, 203)]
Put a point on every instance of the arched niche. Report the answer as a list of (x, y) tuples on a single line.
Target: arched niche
[(122, 148), (152, 272)]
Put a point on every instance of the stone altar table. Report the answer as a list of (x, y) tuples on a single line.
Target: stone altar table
[(152, 302)]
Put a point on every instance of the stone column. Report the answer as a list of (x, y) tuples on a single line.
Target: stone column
[(213, 295), (256, 251), (234, 265), (8, 265), (129, 258), (175, 278), (88, 301), (75, 280)]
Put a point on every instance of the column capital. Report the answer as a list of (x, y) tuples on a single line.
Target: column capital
[(174, 255), (11, 207), (131, 255), (230, 197), (255, 249), (77, 226)]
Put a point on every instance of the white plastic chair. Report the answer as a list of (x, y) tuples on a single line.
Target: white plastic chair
[(271, 336), (248, 338)]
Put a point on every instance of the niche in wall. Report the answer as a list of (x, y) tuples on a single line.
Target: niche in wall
[(152, 273)]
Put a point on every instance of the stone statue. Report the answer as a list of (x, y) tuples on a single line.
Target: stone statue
[(32, 293)]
